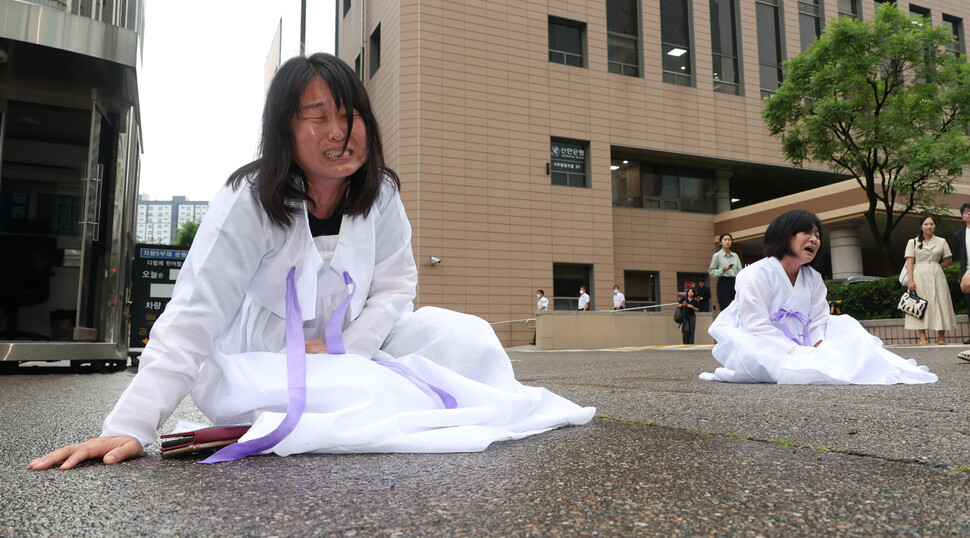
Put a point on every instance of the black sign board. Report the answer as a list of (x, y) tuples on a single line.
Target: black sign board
[(153, 277), (568, 158)]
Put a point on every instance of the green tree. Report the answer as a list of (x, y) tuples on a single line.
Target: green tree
[(884, 101), (187, 234)]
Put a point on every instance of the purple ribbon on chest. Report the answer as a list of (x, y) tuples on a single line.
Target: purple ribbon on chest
[(780, 316)]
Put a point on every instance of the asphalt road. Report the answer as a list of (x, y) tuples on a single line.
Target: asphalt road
[(668, 455)]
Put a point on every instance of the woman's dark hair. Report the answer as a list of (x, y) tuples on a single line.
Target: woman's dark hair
[(784, 227), (688, 292), (276, 179), (921, 237), (721, 238)]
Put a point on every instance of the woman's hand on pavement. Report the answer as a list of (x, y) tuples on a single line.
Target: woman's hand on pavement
[(110, 449)]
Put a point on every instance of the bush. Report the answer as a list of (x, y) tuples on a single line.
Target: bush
[(878, 299)]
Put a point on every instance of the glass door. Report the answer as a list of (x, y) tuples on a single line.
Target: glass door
[(86, 321)]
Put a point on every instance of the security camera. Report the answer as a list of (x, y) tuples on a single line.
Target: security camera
[(435, 260)]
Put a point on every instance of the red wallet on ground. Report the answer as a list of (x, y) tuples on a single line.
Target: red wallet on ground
[(199, 441)]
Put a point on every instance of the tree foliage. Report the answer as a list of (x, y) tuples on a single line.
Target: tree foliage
[(187, 234), (884, 101)]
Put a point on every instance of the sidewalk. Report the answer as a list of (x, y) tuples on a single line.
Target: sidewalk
[(669, 455)]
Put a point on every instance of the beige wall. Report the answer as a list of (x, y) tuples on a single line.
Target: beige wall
[(468, 102)]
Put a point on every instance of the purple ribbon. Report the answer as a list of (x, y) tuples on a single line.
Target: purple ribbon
[(447, 399), (295, 371), (780, 316)]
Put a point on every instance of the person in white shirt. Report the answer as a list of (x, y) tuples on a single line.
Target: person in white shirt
[(542, 304), (583, 299), (619, 300)]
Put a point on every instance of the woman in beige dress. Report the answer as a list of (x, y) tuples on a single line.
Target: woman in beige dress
[(926, 257)]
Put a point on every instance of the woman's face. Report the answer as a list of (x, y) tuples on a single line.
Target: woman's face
[(726, 242), (805, 245), (319, 132), (928, 227), (690, 293)]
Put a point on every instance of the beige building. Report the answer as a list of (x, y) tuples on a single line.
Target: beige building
[(549, 145)]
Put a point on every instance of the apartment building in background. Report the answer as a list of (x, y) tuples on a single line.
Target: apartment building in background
[(159, 221), (552, 145)]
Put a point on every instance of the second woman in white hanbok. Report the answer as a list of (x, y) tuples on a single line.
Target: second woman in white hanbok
[(779, 330)]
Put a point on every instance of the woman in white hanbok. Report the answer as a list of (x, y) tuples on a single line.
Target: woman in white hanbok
[(779, 330), (293, 308)]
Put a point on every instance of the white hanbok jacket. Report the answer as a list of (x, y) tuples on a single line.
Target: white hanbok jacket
[(230, 294)]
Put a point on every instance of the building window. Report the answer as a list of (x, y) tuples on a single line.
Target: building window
[(916, 11), (375, 51), (724, 45), (955, 24), (664, 187), (568, 163), (346, 7), (769, 46), (357, 66), (641, 288), (809, 22), (567, 42), (567, 278), (849, 8), (675, 41), (688, 280), (623, 37)]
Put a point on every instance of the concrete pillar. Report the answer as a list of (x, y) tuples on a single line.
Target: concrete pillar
[(845, 248), (723, 179)]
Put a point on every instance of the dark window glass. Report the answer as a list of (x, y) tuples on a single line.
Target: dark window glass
[(849, 8), (346, 7), (641, 288), (955, 25), (567, 278), (809, 22), (665, 187), (724, 46), (622, 37), (675, 42), (769, 46), (375, 50), (566, 42)]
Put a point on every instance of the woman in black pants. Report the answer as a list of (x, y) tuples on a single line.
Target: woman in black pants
[(691, 304), (724, 267)]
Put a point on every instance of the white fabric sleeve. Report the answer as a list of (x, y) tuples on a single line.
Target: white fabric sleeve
[(228, 247), (754, 299), (394, 283), (820, 310)]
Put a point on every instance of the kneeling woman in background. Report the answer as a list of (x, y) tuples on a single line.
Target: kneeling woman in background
[(779, 330)]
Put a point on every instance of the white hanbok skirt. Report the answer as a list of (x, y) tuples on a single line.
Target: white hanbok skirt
[(847, 355), (355, 404)]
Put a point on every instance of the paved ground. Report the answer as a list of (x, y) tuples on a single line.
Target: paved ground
[(669, 455)]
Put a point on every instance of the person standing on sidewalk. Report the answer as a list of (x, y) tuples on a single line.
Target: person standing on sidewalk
[(703, 294), (542, 305), (725, 265), (961, 245), (691, 306), (619, 300)]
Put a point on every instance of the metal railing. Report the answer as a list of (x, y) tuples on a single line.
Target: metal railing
[(526, 321), (509, 323)]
